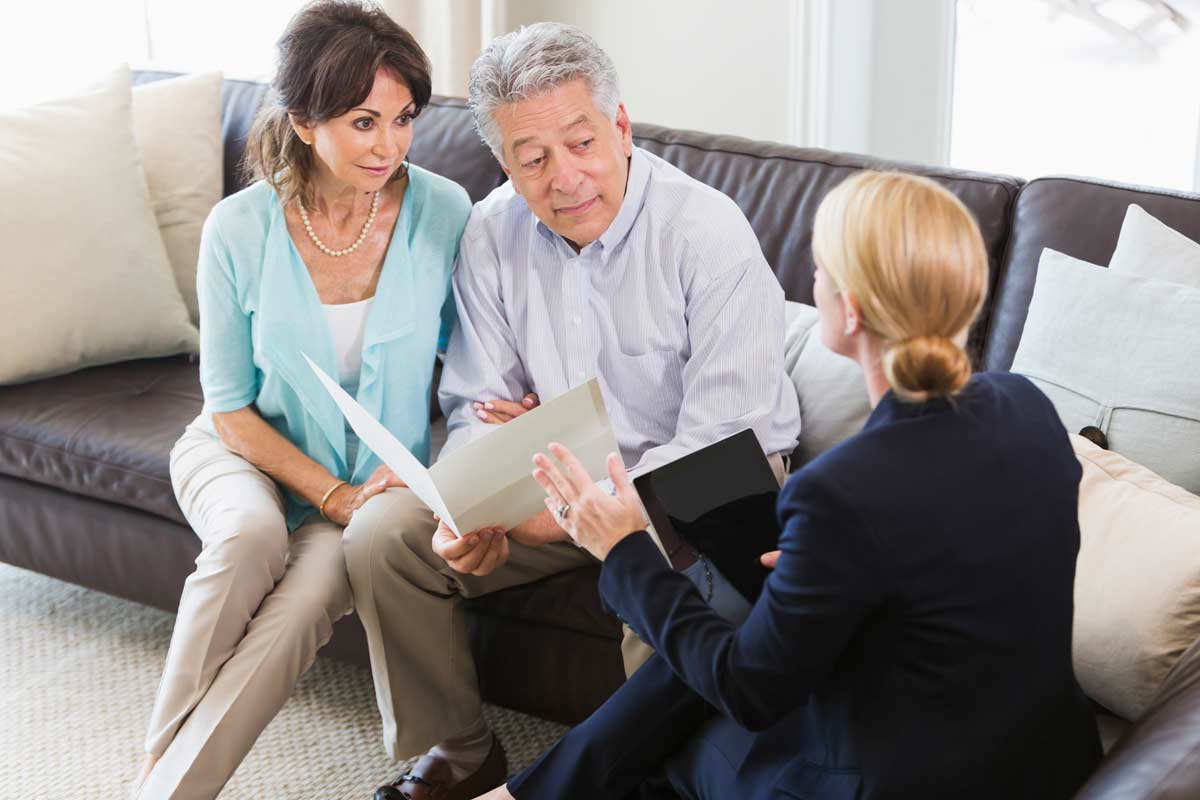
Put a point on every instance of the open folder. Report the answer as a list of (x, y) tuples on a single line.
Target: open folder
[(490, 480)]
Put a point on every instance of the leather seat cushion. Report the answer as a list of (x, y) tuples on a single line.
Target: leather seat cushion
[(104, 432)]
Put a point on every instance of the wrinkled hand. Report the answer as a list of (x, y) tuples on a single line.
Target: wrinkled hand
[(348, 498), (498, 412), (476, 553), (769, 559), (595, 520)]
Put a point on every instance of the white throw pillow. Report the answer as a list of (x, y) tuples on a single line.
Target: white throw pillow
[(834, 404), (1150, 248), (177, 125), (1120, 352), (1137, 580), (84, 276)]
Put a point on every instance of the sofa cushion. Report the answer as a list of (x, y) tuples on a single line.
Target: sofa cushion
[(1153, 249), (1137, 582), (84, 274), (177, 124), (1119, 352), (834, 404), (104, 432), (1075, 216)]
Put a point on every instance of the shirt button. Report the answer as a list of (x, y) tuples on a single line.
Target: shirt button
[(579, 374), (577, 320)]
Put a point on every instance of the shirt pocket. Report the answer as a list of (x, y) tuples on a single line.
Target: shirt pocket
[(648, 387)]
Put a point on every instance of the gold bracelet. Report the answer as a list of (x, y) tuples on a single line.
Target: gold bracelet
[(325, 499)]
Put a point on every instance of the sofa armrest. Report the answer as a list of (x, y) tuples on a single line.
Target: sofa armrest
[(1159, 756)]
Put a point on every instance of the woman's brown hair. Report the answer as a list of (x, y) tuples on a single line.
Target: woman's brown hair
[(912, 255), (328, 57)]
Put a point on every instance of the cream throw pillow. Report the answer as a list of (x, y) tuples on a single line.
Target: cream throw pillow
[(1137, 580), (1151, 248), (177, 125), (834, 404), (84, 277), (1119, 351)]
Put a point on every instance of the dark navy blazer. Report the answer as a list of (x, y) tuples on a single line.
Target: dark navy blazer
[(914, 639)]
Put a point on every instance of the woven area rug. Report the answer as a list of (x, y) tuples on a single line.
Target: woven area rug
[(78, 673)]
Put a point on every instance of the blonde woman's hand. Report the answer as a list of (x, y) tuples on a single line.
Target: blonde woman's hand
[(348, 498), (592, 518)]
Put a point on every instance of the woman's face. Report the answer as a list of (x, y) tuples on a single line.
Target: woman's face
[(832, 310), (365, 146)]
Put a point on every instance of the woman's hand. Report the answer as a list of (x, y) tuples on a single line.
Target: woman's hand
[(594, 520), (348, 498), (498, 412), (476, 553), (768, 559)]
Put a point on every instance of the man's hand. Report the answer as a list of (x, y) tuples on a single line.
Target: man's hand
[(768, 559), (539, 530), (348, 498), (476, 553), (498, 412)]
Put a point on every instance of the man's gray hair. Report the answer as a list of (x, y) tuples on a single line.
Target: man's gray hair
[(530, 61)]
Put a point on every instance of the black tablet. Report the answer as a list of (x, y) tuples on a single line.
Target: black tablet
[(721, 500)]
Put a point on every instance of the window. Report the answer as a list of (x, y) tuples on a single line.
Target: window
[(1084, 87), (51, 48)]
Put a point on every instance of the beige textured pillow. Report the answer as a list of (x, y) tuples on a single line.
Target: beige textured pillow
[(1137, 580), (177, 125), (84, 275)]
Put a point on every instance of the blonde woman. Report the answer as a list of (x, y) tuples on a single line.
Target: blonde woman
[(914, 638)]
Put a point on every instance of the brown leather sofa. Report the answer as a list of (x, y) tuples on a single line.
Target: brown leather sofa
[(85, 494)]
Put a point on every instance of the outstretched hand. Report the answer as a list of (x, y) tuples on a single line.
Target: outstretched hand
[(594, 520)]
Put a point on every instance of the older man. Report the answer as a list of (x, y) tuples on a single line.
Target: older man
[(596, 258)]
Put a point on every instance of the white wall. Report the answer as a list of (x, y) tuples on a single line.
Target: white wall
[(708, 65)]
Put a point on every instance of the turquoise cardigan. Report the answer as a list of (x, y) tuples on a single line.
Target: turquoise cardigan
[(259, 310)]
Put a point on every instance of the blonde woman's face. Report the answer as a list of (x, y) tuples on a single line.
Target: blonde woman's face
[(833, 313)]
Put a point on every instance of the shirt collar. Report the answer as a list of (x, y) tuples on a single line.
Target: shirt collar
[(635, 194)]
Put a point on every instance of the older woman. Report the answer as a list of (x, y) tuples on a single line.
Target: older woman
[(341, 251), (914, 639)]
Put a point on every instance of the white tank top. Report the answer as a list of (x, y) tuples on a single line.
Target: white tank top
[(347, 324)]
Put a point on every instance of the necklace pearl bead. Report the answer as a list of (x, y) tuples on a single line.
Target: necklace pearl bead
[(345, 251)]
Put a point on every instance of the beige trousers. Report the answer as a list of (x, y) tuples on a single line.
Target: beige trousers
[(251, 618)]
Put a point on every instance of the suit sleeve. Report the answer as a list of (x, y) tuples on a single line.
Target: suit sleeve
[(825, 583)]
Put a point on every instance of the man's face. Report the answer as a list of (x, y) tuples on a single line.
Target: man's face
[(567, 160)]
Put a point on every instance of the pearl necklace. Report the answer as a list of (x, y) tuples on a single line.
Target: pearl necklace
[(345, 251)]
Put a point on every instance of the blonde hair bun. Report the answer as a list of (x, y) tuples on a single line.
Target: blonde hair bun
[(925, 367)]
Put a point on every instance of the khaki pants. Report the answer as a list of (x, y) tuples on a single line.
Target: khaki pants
[(251, 618), (410, 603)]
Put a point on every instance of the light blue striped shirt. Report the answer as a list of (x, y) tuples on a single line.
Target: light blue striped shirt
[(674, 309)]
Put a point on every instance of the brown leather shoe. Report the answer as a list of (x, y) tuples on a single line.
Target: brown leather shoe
[(430, 779)]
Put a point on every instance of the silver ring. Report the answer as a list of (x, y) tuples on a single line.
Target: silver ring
[(561, 511)]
